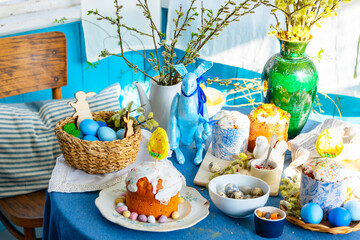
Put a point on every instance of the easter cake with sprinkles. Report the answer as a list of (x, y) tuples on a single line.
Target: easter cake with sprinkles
[(324, 182), (325, 170), (267, 120)]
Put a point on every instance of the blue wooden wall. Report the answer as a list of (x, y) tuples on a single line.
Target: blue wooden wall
[(113, 69)]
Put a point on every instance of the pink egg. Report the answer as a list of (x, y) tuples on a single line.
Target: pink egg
[(134, 215), (121, 209)]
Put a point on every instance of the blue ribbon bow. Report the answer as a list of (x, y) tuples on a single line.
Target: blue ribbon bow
[(210, 122), (201, 95)]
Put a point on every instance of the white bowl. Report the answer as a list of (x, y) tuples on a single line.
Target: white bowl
[(237, 207), (212, 110)]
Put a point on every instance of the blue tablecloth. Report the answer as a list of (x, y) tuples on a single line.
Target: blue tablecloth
[(75, 216)]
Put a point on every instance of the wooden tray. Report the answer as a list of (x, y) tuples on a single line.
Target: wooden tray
[(324, 226), (203, 174)]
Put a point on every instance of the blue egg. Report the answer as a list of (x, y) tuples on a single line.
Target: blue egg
[(120, 133), (89, 127), (90, 138), (102, 123), (339, 217), (81, 135), (106, 134), (312, 213), (353, 207)]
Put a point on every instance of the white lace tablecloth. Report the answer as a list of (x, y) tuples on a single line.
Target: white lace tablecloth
[(66, 178)]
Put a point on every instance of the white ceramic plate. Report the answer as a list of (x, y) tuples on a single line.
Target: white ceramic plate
[(193, 210)]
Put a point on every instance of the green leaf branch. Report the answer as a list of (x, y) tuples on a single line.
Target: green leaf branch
[(116, 120)]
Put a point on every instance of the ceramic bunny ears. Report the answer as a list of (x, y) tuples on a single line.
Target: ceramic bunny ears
[(200, 70)]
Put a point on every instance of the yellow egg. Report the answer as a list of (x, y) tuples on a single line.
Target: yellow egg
[(159, 144), (126, 213), (175, 215), (329, 143), (119, 200)]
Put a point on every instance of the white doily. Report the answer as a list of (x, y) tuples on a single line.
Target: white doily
[(66, 178)]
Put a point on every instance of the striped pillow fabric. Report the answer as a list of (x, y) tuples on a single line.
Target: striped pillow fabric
[(28, 144)]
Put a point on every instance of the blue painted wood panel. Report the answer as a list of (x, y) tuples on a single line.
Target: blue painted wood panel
[(113, 69)]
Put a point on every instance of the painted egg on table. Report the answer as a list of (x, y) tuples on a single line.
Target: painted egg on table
[(106, 134), (339, 217), (89, 127), (312, 213), (329, 143), (90, 138), (353, 207), (120, 133)]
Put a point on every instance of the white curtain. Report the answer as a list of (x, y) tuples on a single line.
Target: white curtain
[(100, 35), (244, 44)]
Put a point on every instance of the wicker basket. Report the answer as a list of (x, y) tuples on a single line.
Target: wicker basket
[(324, 226), (96, 157)]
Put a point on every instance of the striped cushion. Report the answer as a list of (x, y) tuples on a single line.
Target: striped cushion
[(28, 144)]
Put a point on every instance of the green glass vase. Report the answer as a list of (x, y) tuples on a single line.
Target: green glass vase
[(290, 82)]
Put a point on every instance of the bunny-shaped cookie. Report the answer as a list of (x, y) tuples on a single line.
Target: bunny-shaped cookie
[(129, 129), (81, 106)]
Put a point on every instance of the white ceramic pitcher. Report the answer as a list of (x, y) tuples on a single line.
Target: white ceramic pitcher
[(159, 101)]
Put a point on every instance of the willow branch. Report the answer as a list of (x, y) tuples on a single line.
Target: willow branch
[(327, 96), (245, 104), (122, 25), (145, 7)]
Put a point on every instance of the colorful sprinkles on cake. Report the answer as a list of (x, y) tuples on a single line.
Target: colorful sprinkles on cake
[(231, 120), (325, 170), (271, 114)]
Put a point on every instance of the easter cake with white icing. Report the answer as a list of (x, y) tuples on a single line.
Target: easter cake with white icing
[(267, 120), (230, 134), (324, 181), (153, 188)]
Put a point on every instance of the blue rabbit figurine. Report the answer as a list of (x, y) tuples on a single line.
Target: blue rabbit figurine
[(189, 121)]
